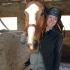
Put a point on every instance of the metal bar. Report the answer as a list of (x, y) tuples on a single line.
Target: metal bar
[(4, 24)]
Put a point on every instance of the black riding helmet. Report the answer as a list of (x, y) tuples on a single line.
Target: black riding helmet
[(55, 11)]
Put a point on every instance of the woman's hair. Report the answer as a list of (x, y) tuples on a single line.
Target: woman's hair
[(59, 25)]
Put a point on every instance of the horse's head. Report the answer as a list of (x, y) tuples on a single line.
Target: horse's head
[(34, 22)]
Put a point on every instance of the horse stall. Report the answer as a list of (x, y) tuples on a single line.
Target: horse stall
[(13, 51)]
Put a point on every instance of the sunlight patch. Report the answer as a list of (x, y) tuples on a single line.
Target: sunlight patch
[(10, 22), (66, 22)]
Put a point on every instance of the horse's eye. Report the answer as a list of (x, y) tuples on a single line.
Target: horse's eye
[(42, 13)]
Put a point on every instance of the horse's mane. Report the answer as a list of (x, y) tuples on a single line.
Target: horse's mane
[(41, 26)]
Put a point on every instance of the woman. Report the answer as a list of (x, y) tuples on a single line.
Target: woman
[(48, 57), (53, 40)]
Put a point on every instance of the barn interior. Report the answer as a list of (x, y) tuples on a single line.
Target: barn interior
[(12, 53)]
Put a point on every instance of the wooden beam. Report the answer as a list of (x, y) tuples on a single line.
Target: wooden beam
[(64, 6), (17, 9)]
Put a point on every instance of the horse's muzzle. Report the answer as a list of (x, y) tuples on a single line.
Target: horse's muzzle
[(33, 46)]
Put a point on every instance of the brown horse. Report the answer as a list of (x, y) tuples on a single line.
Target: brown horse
[(35, 23)]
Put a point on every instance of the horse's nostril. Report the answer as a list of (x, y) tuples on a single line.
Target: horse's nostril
[(35, 44)]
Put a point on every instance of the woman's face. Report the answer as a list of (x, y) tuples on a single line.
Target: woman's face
[(51, 21)]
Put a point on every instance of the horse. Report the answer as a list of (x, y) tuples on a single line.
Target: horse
[(35, 23)]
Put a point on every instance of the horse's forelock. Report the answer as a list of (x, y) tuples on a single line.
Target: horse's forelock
[(40, 27), (36, 2)]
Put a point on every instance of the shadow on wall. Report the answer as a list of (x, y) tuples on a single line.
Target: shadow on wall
[(65, 54)]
